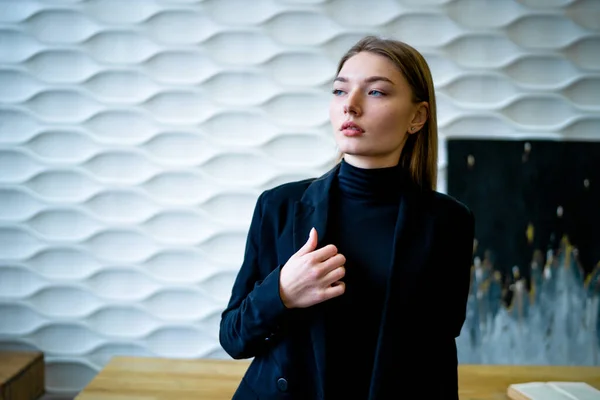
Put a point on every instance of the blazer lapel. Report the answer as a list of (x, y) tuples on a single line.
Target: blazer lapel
[(412, 241), (308, 216), (412, 237), (311, 212)]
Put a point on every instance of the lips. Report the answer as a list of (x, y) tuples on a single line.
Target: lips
[(350, 128)]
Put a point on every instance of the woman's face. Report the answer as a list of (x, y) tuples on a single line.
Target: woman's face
[(372, 111)]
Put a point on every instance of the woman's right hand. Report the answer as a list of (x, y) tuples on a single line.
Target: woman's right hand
[(312, 276)]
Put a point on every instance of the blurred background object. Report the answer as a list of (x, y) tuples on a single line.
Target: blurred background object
[(534, 297)]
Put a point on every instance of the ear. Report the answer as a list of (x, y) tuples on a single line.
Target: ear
[(419, 117)]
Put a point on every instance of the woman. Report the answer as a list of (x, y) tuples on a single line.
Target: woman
[(354, 284)]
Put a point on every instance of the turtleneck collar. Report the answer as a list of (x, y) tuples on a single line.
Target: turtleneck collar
[(376, 184)]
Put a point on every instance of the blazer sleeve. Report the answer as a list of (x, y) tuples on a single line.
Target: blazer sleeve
[(251, 317), (461, 233)]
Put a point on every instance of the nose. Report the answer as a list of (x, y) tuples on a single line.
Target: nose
[(352, 104)]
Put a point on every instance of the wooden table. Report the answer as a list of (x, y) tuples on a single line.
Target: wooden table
[(21, 375), (137, 378)]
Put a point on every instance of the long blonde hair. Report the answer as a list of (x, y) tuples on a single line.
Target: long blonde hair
[(420, 152)]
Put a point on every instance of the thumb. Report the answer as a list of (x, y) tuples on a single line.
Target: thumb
[(311, 243)]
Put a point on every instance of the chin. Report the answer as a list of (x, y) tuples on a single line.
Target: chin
[(354, 149), (350, 145)]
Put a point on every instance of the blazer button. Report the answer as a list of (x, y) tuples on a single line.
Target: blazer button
[(282, 384)]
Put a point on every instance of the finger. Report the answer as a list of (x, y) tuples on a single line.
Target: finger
[(334, 276), (332, 263), (311, 243), (324, 253), (336, 289)]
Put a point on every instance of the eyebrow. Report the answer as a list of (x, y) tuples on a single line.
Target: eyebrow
[(370, 79)]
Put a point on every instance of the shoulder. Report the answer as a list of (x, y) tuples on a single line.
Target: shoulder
[(285, 193), (309, 189), (449, 207)]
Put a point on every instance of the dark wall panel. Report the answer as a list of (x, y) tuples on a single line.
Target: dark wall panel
[(549, 189)]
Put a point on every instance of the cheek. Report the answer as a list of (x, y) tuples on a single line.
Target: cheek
[(390, 119)]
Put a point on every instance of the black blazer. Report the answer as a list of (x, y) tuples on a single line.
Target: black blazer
[(425, 298)]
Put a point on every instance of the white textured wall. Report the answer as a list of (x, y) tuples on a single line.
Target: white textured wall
[(135, 137)]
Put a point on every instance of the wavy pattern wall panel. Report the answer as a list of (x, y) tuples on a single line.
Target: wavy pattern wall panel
[(135, 137)]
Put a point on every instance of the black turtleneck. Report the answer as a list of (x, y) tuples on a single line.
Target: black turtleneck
[(362, 220)]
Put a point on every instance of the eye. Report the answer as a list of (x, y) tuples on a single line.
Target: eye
[(337, 92), (376, 93)]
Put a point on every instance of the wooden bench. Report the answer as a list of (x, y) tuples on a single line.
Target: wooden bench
[(21, 375), (137, 378)]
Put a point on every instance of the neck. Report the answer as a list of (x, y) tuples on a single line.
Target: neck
[(372, 184), (371, 162)]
